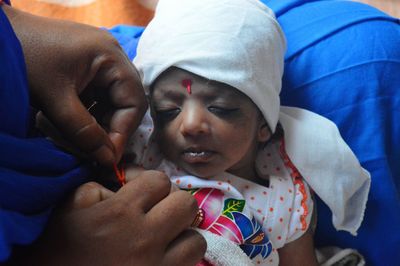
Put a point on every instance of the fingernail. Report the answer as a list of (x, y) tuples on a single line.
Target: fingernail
[(104, 155)]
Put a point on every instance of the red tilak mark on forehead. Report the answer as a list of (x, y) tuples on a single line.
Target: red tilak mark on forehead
[(187, 83)]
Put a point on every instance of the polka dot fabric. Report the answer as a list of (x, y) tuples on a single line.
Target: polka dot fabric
[(142, 146)]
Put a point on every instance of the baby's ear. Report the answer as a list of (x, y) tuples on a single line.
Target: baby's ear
[(264, 133)]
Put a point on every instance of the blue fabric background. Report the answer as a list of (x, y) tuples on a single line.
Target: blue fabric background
[(343, 61)]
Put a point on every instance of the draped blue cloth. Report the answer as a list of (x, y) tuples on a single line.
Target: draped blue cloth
[(343, 62), (34, 174)]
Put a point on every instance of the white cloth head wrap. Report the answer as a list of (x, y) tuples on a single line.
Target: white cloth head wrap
[(240, 43)]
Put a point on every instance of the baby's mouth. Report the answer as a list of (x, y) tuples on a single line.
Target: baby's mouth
[(197, 156)]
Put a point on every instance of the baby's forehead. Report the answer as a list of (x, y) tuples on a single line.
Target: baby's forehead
[(177, 80)]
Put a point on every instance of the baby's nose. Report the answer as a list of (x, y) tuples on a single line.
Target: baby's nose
[(194, 121)]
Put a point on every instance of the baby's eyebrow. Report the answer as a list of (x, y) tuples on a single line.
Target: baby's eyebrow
[(214, 97), (217, 94), (169, 95), (222, 89)]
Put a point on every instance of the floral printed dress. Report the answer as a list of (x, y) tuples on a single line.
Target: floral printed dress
[(260, 219)]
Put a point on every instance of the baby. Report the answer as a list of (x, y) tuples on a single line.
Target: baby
[(212, 70)]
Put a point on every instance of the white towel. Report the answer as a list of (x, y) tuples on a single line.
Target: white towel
[(223, 252), (240, 43)]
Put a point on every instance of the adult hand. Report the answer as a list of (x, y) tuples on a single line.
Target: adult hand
[(141, 224), (70, 66)]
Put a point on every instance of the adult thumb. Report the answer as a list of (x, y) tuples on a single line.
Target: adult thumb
[(81, 129)]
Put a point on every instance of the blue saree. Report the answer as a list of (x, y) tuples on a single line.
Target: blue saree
[(343, 62), (34, 174)]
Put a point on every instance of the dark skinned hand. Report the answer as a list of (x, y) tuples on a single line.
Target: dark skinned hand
[(144, 223), (70, 66)]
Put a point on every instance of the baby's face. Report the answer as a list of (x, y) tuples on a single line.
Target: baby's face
[(208, 129)]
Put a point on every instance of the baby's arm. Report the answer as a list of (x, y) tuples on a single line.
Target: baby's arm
[(299, 252)]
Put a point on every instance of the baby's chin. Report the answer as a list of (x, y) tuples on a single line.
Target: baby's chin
[(201, 173)]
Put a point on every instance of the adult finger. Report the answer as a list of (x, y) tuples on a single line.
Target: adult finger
[(187, 249), (145, 191), (174, 187), (174, 213), (87, 195), (128, 98), (80, 128), (49, 130)]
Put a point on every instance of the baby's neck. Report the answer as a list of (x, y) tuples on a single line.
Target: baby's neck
[(252, 176)]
